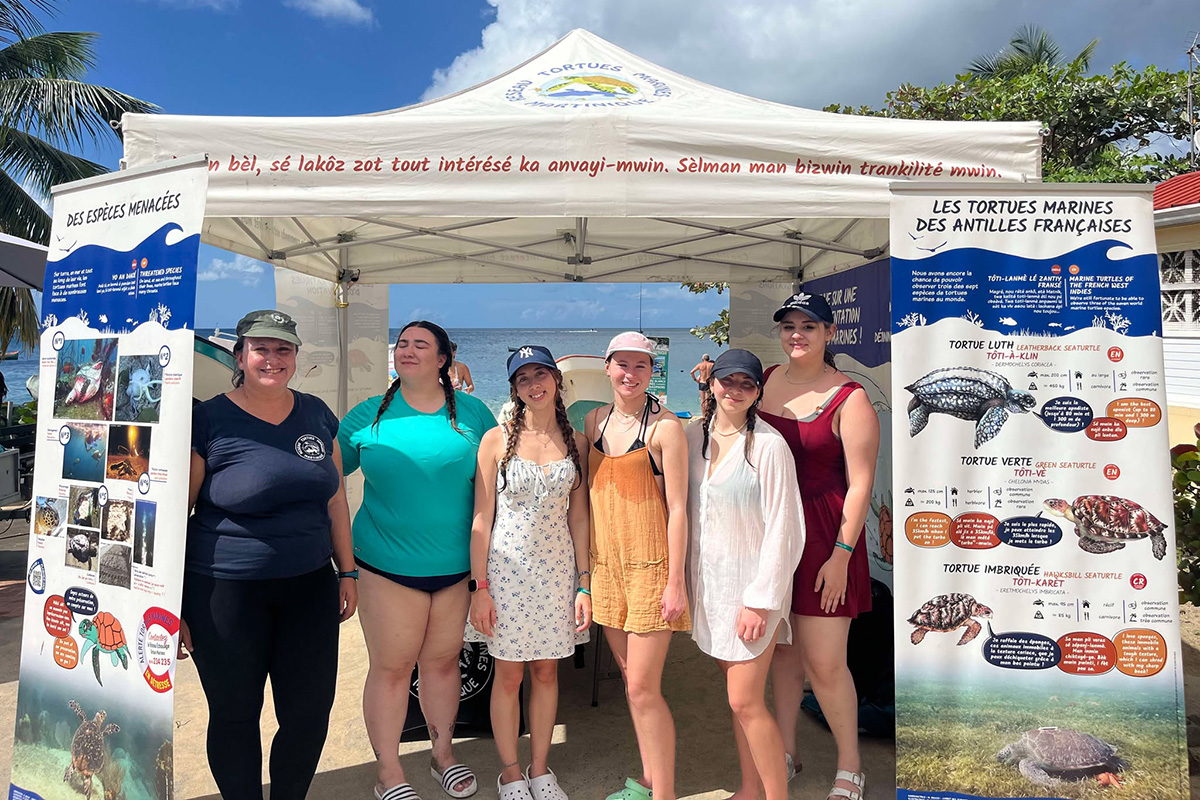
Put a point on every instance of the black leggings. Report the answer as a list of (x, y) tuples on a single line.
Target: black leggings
[(244, 631)]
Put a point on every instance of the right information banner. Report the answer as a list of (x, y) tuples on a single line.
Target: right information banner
[(1037, 616)]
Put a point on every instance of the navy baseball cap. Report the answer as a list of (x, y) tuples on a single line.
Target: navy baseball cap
[(529, 354), (812, 305), (731, 362)]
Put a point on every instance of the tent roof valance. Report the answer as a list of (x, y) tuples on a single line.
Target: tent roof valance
[(585, 162)]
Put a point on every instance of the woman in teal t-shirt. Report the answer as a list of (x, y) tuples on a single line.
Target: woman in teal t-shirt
[(416, 446)]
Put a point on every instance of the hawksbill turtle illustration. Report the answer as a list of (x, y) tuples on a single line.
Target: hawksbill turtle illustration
[(1049, 755), (948, 612), (976, 395), (1105, 522), (88, 751)]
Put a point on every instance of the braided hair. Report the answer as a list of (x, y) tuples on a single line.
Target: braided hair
[(516, 424), (444, 349), (710, 410)]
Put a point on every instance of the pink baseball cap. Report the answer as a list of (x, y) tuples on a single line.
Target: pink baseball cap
[(629, 342)]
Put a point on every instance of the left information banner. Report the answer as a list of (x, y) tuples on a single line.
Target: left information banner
[(106, 547)]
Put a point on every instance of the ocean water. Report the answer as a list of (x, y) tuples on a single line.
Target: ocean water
[(485, 351)]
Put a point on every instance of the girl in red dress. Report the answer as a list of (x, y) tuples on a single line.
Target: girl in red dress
[(833, 433)]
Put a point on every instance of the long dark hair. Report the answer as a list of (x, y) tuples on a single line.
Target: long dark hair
[(515, 425), (710, 411), (829, 354), (443, 347)]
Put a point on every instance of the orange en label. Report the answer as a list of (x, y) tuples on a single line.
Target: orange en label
[(928, 529), (1140, 652), (1086, 653), (1136, 412), (975, 531)]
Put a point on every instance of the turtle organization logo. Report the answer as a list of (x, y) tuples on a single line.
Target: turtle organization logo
[(157, 643), (591, 84), (475, 667), (310, 447)]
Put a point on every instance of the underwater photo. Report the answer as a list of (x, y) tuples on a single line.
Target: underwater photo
[(83, 454), (139, 388), (128, 452), (85, 379), (143, 532)]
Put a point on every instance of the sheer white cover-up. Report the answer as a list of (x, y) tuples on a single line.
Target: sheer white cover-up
[(746, 534)]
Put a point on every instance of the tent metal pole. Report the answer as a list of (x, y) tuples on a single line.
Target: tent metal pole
[(338, 244), (820, 252), (332, 262), (792, 239), (454, 237), (628, 251), (365, 268), (246, 230), (672, 259), (343, 316)]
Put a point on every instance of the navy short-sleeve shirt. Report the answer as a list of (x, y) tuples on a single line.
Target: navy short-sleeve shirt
[(263, 509)]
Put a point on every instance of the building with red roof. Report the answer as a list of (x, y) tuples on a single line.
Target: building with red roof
[(1177, 231)]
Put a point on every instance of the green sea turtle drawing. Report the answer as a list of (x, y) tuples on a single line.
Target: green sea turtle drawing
[(103, 632)]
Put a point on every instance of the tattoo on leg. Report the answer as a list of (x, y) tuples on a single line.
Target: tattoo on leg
[(433, 733), (509, 764)]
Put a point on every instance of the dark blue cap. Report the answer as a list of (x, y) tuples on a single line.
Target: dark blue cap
[(529, 354), (813, 305), (731, 362)]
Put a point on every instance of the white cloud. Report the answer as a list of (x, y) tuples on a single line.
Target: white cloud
[(427, 314), (812, 53), (563, 310), (241, 269), (350, 11)]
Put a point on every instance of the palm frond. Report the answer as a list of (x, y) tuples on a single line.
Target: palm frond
[(20, 214), (40, 165), (65, 111), (1084, 59), (18, 319), (986, 66), (59, 54), (17, 19)]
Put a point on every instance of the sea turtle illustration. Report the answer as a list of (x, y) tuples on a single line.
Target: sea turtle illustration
[(977, 395), (598, 83), (1104, 523), (1049, 755), (947, 612), (88, 752), (82, 548), (104, 632)]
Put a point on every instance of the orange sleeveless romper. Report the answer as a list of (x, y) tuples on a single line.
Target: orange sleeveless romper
[(628, 543)]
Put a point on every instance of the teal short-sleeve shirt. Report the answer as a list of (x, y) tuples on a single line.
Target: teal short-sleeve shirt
[(419, 484)]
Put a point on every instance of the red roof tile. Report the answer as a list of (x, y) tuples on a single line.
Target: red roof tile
[(1182, 190)]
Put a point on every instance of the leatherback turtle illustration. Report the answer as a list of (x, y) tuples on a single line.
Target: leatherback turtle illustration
[(1104, 523), (948, 612), (1049, 755), (88, 752), (104, 632), (976, 395)]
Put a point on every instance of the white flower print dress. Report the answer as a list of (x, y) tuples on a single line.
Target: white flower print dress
[(531, 564)]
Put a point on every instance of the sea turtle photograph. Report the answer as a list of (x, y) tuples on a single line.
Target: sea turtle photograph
[(949, 612), (1049, 755), (975, 395), (1105, 523), (88, 749), (83, 546)]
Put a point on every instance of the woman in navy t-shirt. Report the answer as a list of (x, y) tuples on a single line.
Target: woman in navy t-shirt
[(260, 596)]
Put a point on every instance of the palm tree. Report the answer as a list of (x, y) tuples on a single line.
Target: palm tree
[(46, 107), (1029, 47)]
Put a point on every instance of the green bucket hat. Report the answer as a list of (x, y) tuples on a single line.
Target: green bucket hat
[(268, 324)]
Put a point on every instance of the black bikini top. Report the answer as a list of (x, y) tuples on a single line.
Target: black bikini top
[(640, 441)]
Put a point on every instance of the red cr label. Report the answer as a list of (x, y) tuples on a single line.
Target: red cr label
[(1137, 581)]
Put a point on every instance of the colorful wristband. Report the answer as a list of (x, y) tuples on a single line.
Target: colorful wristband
[(844, 546), (582, 590), (351, 574)]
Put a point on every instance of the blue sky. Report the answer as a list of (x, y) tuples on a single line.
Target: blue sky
[(330, 57)]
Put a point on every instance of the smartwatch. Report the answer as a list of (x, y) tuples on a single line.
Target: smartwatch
[(351, 574), (474, 585)]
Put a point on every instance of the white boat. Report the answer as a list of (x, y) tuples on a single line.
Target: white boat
[(585, 386), (213, 367)]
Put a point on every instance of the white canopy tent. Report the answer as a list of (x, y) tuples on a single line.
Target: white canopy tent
[(641, 175)]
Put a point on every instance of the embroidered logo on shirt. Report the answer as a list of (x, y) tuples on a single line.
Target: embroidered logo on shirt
[(310, 447)]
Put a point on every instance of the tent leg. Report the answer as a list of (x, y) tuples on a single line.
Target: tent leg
[(343, 317)]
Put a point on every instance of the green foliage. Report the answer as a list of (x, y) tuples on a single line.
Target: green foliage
[(718, 329), (1185, 464), (25, 414), (18, 319), (1030, 46)]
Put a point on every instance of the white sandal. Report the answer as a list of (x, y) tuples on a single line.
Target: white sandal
[(455, 774), (859, 779), (545, 787), (517, 790), (401, 791)]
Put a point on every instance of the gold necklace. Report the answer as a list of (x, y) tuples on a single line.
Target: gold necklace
[(634, 416), (731, 433), (787, 376)]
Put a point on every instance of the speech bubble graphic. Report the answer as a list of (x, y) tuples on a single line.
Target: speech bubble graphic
[(1029, 532), (1086, 653), (1140, 652), (56, 616), (1066, 414), (66, 652), (1136, 412), (928, 529), (82, 601), (974, 531), (1020, 650), (1106, 429)]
